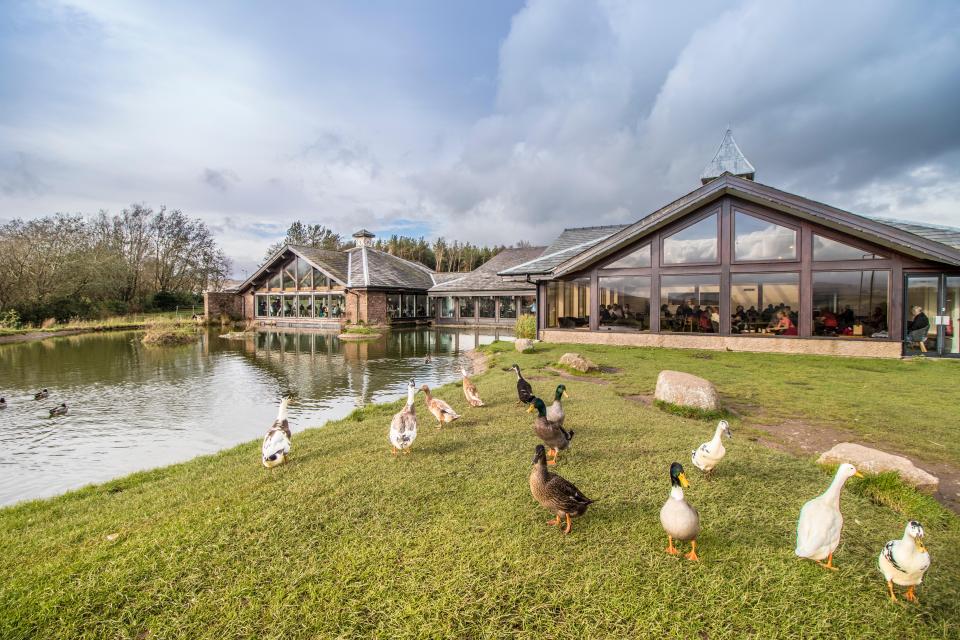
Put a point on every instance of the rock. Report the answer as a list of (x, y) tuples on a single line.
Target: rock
[(869, 460), (523, 345), (687, 390), (577, 362), (112, 536)]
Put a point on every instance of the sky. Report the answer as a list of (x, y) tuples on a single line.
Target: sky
[(491, 122)]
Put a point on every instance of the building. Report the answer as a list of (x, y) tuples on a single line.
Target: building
[(303, 286), (481, 297), (742, 266)]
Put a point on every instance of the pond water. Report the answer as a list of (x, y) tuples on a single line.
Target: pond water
[(133, 407)]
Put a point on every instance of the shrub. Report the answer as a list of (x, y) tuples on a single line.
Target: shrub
[(170, 300), (526, 326), (10, 319), (167, 334)]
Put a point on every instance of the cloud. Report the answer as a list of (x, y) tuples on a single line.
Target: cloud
[(220, 180)]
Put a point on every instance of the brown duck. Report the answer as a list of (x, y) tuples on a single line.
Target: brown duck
[(554, 493)]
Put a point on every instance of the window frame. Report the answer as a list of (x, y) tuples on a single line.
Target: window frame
[(795, 227), (669, 232)]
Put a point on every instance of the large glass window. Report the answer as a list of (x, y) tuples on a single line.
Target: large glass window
[(466, 307), (421, 306), (920, 307), (276, 282), (431, 307), (508, 307), (625, 302), (850, 303), (694, 244), (290, 306), (487, 307), (827, 249), (394, 309), (758, 239), (446, 307), (409, 306), (765, 303), (275, 309), (320, 281), (638, 259), (262, 306), (528, 305), (306, 306), (303, 274), (290, 276), (568, 304), (690, 303)]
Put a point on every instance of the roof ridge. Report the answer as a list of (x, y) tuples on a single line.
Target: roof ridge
[(599, 226), (929, 225)]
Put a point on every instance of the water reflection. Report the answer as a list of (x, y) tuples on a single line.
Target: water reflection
[(133, 407)]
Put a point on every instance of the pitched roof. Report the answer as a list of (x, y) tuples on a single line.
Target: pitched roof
[(486, 278), (333, 262), (567, 245), (728, 159), (371, 268), (949, 236), (440, 277)]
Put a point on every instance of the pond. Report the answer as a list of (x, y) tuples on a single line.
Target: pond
[(133, 407)]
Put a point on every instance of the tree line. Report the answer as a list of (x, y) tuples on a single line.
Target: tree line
[(70, 266), (439, 255)]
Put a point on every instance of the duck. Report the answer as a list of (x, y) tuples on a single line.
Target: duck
[(554, 493), (470, 390), (3, 403), (524, 390), (555, 410), (708, 455), (41, 395), (678, 517), (276, 444), (442, 411), (552, 434), (904, 561), (59, 410), (403, 427), (428, 359), (820, 523)]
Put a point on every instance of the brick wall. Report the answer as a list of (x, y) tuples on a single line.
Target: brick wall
[(376, 303), (217, 303)]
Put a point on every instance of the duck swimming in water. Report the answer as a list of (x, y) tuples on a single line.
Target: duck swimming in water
[(60, 410), (41, 395), (3, 403), (276, 444)]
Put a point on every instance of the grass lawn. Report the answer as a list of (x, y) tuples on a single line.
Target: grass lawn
[(347, 541), (113, 323)]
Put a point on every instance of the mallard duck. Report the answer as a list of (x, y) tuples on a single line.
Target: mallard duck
[(403, 427), (59, 410), (470, 390), (904, 561), (524, 390), (679, 519), (555, 410), (440, 409), (554, 493), (276, 444), (709, 454), (3, 403), (552, 434), (820, 523), (41, 395)]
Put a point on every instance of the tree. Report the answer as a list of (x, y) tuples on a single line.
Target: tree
[(309, 235)]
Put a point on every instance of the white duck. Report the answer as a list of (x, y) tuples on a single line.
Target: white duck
[(276, 444), (470, 390), (709, 454), (403, 427), (679, 518), (442, 411), (820, 523), (904, 561)]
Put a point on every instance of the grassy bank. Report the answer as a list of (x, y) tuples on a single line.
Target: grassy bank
[(115, 323), (347, 541)]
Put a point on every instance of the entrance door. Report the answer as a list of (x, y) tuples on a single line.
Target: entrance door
[(938, 298)]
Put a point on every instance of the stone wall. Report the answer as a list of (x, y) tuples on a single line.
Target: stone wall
[(217, 303), (817, 346)]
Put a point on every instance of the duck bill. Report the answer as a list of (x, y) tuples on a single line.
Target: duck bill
[(857, 474), (530, 409), (920, 546), (566, 395), (683, 480)]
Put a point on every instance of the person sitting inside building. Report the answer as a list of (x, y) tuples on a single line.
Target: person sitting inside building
[(828, 322), (918, 328), (784, 325)]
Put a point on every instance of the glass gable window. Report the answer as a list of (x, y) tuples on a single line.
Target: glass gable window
[(304, 281), (694, 244), (635, 260), (466, 307), (758, 239), (290, 276), (320, 281), (765, 303), (276, 282), (850, 303), (690, 304), (508, 307), (625, 302), (393, 305), (487, 307), (568, 304), (446, 307), (827, 249)]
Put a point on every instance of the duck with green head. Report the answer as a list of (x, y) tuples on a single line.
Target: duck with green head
[(555, 494), (552, 434), (555, 410), (679, 519)]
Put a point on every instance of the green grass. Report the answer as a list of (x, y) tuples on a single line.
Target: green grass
[(347, 541), (115, 323), (361, 330), (694, 413)]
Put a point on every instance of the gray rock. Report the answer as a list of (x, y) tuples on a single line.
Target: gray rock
[(869, 460), (687, 390), (577, 362), (523, 345)]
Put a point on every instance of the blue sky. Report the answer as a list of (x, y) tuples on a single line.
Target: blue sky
[(481, 121)]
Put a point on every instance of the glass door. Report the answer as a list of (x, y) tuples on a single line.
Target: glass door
[(950, 316), (932, 315)]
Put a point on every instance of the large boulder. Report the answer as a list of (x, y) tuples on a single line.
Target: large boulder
[(577, 362), (523, 344), (687, 390), (870, 460)]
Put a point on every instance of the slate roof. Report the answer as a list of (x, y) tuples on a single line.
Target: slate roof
[(486, 278), (333, 262), (370, 268), (440, 277), (568, 244), (949, 236), (728, 159)]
